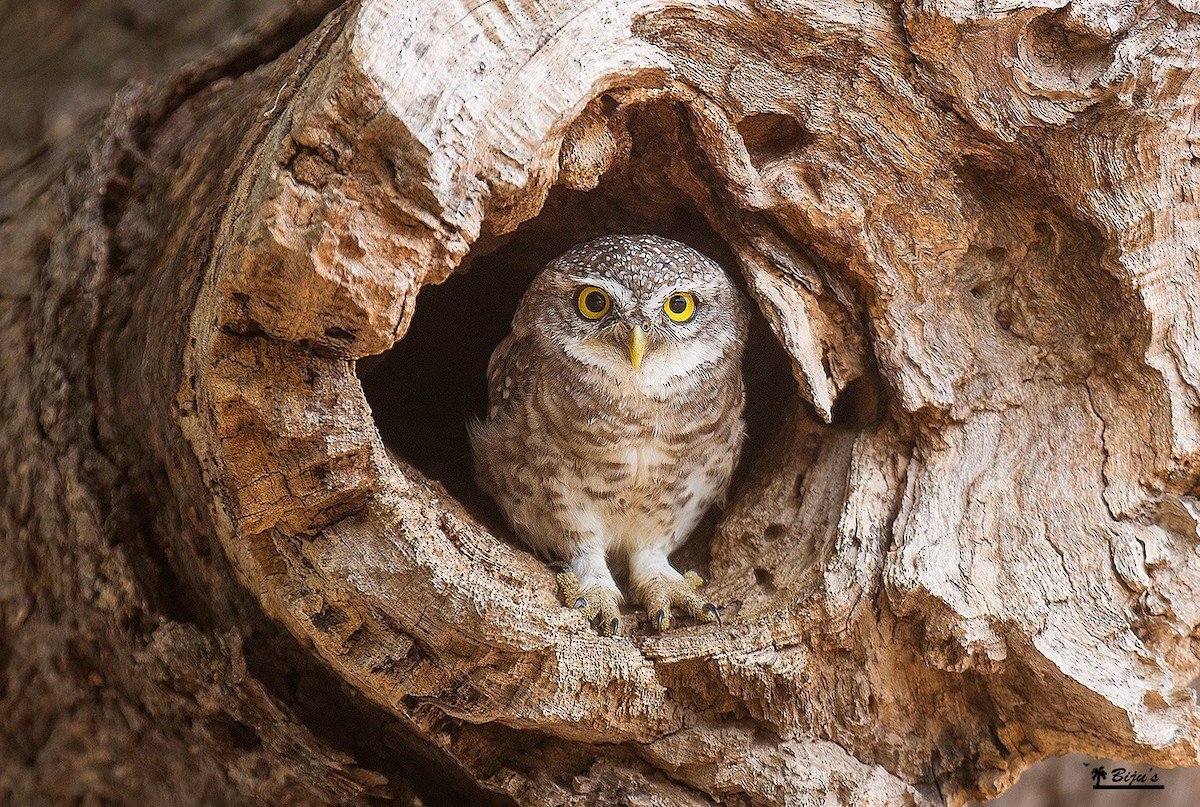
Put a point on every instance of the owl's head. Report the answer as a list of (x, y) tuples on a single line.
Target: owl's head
[(637, 307)]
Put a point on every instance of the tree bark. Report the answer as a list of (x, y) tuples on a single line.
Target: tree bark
[(244, 319)]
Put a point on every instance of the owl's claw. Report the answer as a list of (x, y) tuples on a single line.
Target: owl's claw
[(712, 614), (660, 594), (597, 603)]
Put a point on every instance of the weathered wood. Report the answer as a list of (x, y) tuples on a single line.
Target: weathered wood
[(965, 538)]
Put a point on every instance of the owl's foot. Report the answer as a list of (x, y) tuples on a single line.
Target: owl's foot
[(598, 603), (660, 594)]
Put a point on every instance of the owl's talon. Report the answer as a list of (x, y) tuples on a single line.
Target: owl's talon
[(598, 603), (660, 594), (694, 579), (568, 587), (711, 614)]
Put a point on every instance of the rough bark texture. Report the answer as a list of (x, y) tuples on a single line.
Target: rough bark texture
[(965, 537)]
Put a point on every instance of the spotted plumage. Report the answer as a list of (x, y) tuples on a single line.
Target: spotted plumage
[(615, 417)]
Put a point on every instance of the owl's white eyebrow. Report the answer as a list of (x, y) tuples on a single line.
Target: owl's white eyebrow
[(671, 291), (613, 288)]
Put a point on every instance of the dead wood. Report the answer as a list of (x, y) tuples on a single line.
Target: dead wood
[(965, 536)]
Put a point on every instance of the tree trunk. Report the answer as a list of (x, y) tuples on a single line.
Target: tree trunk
[(244, 321)]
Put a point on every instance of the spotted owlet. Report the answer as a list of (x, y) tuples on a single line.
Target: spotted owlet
[(615, 417)]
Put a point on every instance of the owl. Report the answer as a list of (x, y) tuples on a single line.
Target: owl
[(614, 419)]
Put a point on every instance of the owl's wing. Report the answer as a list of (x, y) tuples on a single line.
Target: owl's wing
[(510, 378), (510, 374)]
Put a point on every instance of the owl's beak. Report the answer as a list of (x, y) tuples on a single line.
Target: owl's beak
[(637, 346)]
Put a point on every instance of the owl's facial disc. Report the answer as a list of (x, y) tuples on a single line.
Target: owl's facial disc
[(655, 332), (648, 313)]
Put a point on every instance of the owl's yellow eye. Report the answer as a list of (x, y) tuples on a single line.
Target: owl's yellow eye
[(593, 302), (680, 306)]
